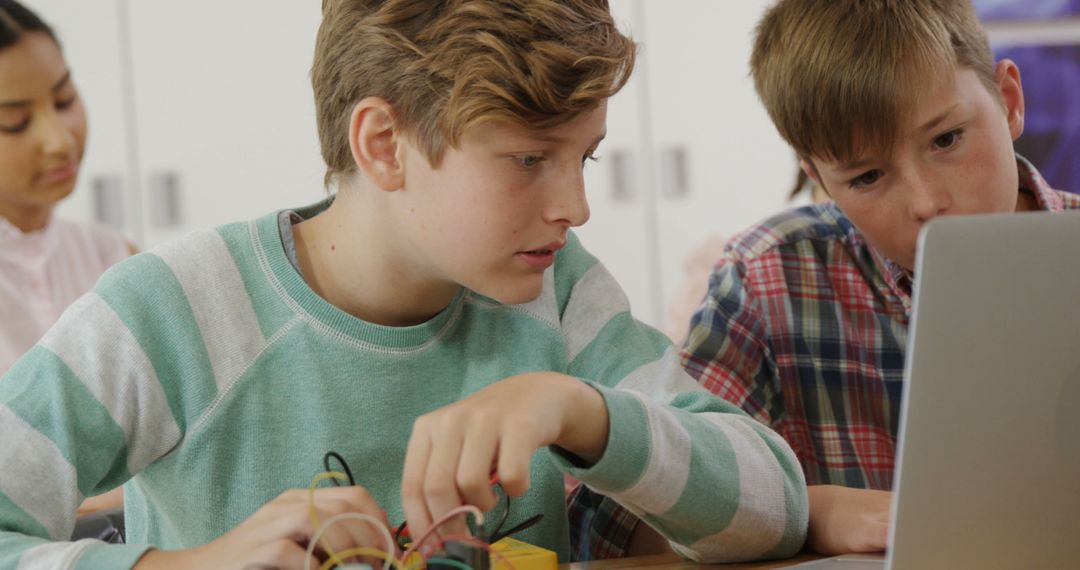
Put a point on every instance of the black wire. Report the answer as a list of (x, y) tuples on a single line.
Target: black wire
[(502, 521), (524, 525), (344, 465), (397, 533)]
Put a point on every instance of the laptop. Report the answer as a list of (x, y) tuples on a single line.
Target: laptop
[(988, 467)]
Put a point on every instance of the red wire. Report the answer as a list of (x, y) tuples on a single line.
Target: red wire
[(493, 481)]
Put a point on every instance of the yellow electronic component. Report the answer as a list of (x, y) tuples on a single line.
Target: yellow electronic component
[(523, 556), (415, 560)]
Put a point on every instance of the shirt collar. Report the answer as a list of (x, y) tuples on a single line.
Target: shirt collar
[(18, 242), (1032, 181), (8, 230)]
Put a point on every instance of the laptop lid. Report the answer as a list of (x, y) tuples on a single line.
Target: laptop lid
[(988, 468)]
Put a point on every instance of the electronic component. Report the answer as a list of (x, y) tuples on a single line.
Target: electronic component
[(470, 555), (523, 556)]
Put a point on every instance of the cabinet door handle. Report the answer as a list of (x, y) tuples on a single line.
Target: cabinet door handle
[(164, 193), (623, 188), (108, 197), (674, 172)]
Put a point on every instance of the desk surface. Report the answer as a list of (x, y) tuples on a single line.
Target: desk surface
[(674, 561)]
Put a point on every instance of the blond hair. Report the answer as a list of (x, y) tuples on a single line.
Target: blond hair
[(841, 77), (447, 65)]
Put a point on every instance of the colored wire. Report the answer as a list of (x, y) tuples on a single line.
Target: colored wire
[(502, 521), (449, 562), (520, 527), (404, 526), (359, 551), (477, 514), (390, 550), (397, 533), (315, 514), (344, 466)]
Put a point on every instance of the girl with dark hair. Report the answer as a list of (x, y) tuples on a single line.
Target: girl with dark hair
[(45, 263)]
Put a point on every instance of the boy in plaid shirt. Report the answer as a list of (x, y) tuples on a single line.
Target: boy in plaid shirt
[(899, 112)]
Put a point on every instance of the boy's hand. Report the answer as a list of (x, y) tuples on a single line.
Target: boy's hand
[(112, 500), (277, 535), (454, 450), (845, 520)]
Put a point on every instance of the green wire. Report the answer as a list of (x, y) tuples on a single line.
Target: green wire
[(449, 562)]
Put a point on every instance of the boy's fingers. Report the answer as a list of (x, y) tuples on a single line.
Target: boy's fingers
[(440, 482), (363, 534), (473, 477), (295, 528), (338, 536), (301, 528), (291, 522), (281, 553), (863, 537), (516, 450), (879, 537), (412, 483)]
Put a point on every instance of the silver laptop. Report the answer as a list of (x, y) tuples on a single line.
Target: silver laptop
[(988, 472)]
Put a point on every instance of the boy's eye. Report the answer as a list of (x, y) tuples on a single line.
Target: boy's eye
[(866, 179), (948, 139), (590, 156), (529, 160)]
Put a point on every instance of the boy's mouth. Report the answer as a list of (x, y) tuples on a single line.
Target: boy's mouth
[(542, 257), (546, 249)]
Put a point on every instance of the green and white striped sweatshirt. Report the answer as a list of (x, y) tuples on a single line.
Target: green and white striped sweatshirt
[(207, 377)]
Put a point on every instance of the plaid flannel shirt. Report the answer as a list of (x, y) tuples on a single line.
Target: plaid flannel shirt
[(805, 328)]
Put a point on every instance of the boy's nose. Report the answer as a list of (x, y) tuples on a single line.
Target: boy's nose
[(929, 198), (568, 204)]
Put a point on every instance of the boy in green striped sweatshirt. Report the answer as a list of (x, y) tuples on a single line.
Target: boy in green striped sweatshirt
[(436, 320)]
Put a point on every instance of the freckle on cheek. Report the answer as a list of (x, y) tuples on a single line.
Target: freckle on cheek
[(333, 247)]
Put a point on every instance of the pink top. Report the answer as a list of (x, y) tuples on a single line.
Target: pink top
[(42, 272)]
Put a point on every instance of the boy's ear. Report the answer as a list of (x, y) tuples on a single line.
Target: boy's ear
[(1011, 91), (374, 141)]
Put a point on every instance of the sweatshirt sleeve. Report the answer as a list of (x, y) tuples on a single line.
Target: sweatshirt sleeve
[(88, 408), (718, 485)]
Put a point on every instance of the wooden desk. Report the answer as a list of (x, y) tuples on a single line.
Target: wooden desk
[(675, 562)]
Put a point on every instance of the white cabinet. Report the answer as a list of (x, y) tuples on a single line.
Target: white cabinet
[(200, 110), (720, 163), (704, 158), (225, 110)]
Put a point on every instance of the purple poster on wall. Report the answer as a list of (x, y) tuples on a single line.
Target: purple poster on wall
[(991, 10), (1051, 139), (1051, 78)]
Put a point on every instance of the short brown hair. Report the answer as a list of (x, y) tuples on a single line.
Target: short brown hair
[(445, 65), (839, 77)]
